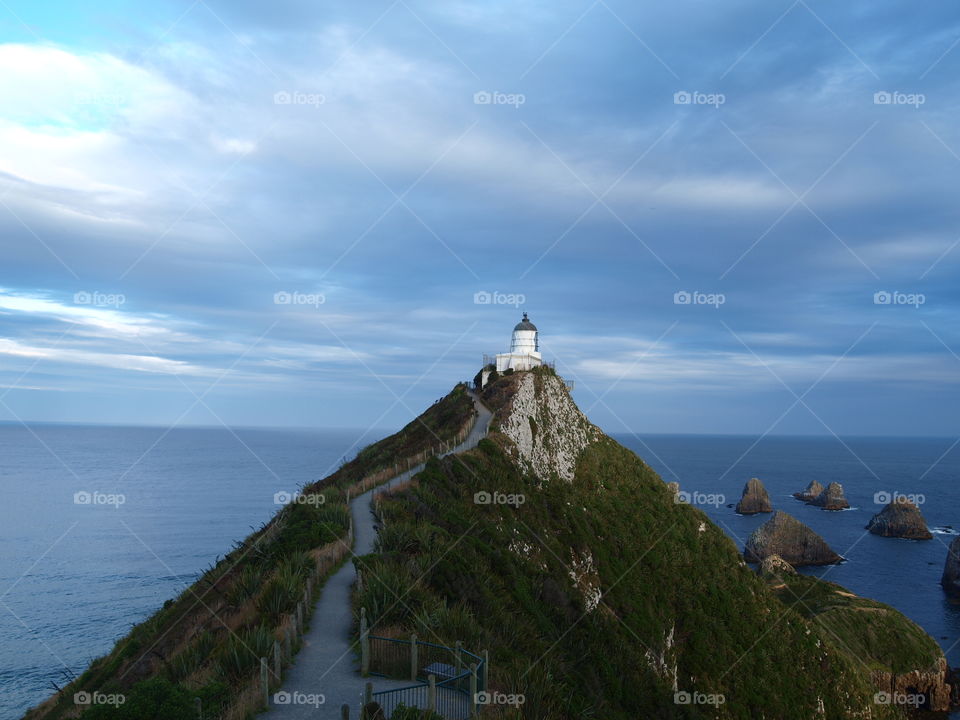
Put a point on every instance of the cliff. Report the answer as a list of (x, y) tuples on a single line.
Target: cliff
[(599, 595), (900, 519)]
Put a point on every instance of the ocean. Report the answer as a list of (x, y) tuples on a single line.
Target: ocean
[(156, 508)]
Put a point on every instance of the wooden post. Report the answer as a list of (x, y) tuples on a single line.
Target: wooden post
[(473, 690), (287, 644), (458, 652), (344, 712), (299, 619), (364, 644), (368, 693), (413, 658), (486, 672), (432, 693), (276, 660), (265, 682)]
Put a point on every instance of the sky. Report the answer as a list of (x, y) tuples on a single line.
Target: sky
[(732, 217)]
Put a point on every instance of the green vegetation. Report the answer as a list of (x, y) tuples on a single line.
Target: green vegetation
[(524, 582), (867, 631)]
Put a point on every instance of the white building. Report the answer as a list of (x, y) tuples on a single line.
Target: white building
[(524, 348)]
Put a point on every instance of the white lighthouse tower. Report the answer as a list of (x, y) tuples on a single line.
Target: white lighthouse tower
[(524, 348)]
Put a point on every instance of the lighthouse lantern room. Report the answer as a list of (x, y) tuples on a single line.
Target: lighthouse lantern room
[(524, 348)]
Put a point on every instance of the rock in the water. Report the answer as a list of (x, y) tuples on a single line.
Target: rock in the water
[(813, 489), (789, 538), (902, 519), (776, 565), (831, 498), (754, 499), (951, 569)]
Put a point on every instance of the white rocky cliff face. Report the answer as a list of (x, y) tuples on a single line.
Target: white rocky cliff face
[(546, 426)]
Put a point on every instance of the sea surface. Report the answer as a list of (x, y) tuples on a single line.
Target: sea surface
[(75, 576)]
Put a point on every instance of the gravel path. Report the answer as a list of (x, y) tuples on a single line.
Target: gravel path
[(328, 664)]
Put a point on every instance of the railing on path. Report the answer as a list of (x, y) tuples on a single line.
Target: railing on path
[(444, 680)]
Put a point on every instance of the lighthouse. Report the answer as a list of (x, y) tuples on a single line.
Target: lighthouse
[(524, 348)]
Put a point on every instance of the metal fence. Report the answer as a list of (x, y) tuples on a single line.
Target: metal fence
[(446, 679)]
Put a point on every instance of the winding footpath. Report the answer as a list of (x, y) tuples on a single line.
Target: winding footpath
[(327, 663)]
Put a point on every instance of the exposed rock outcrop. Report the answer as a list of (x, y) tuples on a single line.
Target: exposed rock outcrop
[(902, 519), (831, 498), (776, 565), (813, 489), (951, 569), (789, 538), (754, 499), (931, 684), (547, 427)]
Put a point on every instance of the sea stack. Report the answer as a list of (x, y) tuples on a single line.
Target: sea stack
[(754, 499), (813, 489), (951, 569), (901, 519), (789, 538), (831, 498)]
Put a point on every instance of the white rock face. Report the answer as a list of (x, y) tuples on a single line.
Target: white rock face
[(549, 445)]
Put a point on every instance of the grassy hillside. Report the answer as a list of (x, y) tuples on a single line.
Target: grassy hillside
[(603, 598), (207, 641)]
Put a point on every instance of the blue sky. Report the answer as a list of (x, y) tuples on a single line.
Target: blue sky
[(166, 169)]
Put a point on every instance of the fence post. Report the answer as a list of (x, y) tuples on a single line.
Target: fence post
[(368, 693), (265, 682), (364, 644), (458, 653), (432, 693), (299, 619), (486, 671), (198, 704), (344, 712), (413, 658), (276, 660), (473, 690), (287, 644)]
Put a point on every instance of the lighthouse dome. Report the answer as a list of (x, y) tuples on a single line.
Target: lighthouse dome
[(525, 324)]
